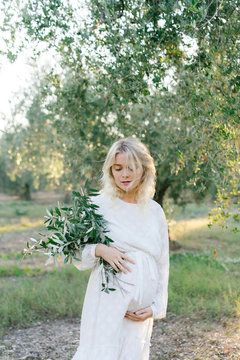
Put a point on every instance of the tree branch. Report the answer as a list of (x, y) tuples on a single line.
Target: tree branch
[(102, 13)]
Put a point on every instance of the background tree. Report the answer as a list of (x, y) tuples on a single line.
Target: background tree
[(33, 153), (114, 69)]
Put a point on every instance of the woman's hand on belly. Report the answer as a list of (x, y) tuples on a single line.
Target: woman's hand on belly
[(140, 315), (114, 257)]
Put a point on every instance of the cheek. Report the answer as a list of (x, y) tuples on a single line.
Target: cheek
[(115, 175), (139, 175)]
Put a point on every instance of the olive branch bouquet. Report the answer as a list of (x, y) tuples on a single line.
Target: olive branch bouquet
[(71, 228)]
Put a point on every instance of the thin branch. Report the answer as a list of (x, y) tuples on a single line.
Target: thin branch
[(5, 132), (102, 13), (218, 6)]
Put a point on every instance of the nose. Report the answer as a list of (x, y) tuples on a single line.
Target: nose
[(125, 172)]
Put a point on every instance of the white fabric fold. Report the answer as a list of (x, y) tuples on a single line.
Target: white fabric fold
[(144, 262)]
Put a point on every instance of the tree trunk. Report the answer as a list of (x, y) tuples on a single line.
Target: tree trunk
[(161, 190), (159, 196), (26, 195), (67, 197)]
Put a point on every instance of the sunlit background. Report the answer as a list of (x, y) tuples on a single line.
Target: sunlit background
[(174, 86)]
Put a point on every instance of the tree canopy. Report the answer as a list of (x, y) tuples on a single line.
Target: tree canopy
[(164, 71)]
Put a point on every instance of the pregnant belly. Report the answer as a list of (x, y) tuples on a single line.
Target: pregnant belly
[(141, 283)]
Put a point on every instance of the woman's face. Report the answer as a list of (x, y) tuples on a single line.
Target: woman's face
[(123, 173)]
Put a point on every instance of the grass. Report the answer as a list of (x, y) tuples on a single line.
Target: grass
[(14, 209), (194, 234), (193, 210), (14, 270), (200, 285), (55, 295), (11, 255), (203, 287)]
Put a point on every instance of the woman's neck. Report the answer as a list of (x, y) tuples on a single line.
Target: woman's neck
[(129, 197)]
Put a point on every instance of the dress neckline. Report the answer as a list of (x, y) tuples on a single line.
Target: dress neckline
[(125, 202)]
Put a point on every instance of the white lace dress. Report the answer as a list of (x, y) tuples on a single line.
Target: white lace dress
[(105, 334)]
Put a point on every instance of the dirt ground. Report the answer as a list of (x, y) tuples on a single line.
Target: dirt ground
[(172, 339)]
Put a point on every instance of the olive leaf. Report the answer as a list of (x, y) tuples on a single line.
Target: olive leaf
[(71, 229)]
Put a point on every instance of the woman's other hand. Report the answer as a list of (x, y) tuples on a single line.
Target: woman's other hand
[(139, 315), (114, 257)]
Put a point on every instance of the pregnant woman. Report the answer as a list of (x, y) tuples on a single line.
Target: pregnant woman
[(118, 325)]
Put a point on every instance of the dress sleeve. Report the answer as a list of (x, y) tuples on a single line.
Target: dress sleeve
[(88, 258), (159, 304)]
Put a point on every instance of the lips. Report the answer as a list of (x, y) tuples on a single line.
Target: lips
[(126, 182)]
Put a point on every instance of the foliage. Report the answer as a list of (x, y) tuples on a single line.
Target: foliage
[(165, 71), (201, 285), (72, 228), (29, 161)]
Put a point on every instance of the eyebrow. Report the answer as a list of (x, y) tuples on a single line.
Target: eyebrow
[(123, 165)]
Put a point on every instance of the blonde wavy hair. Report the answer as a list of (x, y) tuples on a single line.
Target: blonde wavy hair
[(138, 153)]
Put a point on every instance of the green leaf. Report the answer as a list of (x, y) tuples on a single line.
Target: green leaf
[(76, 193), (58, 211), (75, 258), (86, 184), (89, 230), (75, 228), (50, 227), (58, 241), (49, 214)]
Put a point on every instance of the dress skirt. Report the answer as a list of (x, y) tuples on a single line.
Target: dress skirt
[(105, 334)]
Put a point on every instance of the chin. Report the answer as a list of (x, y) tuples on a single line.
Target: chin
[(124, 188), (129, 189)]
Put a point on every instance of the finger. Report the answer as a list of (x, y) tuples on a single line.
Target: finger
[(146, 309), (130, 317), (121, 267), (114, 266), (139, 312), (129, 313), (128, 258), (135, 318), (143, 315), (126, 266)]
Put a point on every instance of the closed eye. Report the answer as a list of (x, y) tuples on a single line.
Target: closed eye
[(119, 169)]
